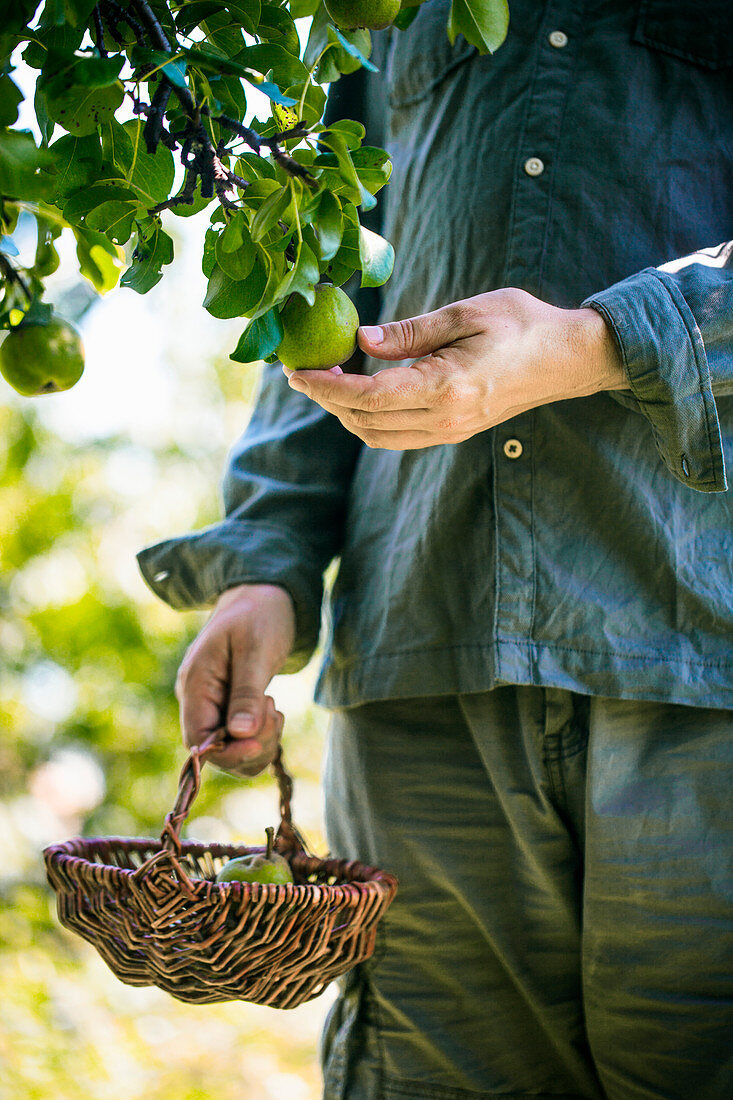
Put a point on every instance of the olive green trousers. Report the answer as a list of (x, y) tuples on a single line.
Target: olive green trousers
[(563, 922)]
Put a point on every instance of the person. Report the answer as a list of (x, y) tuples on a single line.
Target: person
[(523, 479)]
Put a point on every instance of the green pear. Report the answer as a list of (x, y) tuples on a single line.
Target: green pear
[(269, 867), (373, 14), (42, 357), (320, 336)]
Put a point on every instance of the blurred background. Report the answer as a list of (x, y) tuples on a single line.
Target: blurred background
[(88, 657)]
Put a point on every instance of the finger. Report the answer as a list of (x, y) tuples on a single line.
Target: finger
[(201, 688), (248, 756), (399, 440), (397, 388), (417, 336), (222, 681), (421, 420)]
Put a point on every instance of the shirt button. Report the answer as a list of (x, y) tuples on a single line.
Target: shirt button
[(513, 448), (558, 39), (533, 166)]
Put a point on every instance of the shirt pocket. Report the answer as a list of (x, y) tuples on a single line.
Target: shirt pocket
[(699, 32), (420, 58)]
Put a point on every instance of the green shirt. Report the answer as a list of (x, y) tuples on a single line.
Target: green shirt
[(586, 544)]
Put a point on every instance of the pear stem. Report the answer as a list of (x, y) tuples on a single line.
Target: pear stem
[(270, 833)]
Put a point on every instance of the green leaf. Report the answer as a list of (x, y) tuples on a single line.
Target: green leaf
[(314, 103), (62, 39), (348, 258), (301, 9), (189, 209), (260, 338), (80, 110), (191, 15), (80, 203), (232, 236), (273, 92), (251, 167), (45, 123), (235, 260), (74, 163), (209, 60), (114, 219), (174, 68), (352, 132), (78, 11), (405, 16), (151, 175), (303, 276), (336, 60), (259, 190), (376, 256), (10, 97), (483, 23), (223, 33), (284, 67), (101, 268), (61, 73), (272, 210), (337, 143), (153, 251), (227, 297), (20, 166), (229, 96), (329, 225), (276, 25), (373, 167), (352, 48)]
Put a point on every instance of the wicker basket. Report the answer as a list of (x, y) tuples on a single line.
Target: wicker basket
[(154, 913)]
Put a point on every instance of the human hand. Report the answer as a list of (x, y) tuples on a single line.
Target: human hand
[(224, 674), (478, 362)]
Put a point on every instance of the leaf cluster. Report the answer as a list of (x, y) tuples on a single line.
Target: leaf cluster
[(146, 106)]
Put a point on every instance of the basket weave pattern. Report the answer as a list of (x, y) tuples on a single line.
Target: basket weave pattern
[(156, 916)]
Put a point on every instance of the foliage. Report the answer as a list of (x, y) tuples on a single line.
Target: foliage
[(144, 106)]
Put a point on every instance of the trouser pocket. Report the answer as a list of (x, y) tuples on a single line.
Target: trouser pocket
[(348, 1052)]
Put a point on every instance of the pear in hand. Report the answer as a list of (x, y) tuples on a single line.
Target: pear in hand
[(269, 867), (320, 336)]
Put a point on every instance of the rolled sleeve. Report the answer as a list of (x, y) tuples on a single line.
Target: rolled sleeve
[(667, 369), (191, 571)]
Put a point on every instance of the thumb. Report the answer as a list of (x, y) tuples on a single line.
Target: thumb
[(415, 336), (247, 707)]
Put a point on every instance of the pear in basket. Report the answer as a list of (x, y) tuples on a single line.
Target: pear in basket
[(268, 867)]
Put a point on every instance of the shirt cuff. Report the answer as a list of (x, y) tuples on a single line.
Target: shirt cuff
[(191, 571), (667, 370)]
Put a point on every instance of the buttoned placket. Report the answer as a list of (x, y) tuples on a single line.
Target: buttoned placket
[(514, 444)]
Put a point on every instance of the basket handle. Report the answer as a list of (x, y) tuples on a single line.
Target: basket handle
[(287, 838)]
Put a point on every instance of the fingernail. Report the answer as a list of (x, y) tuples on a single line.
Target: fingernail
[(335, 370), (373, 333), (241, 723)]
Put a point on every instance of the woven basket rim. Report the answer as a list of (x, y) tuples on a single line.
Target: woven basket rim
[(67, 852)]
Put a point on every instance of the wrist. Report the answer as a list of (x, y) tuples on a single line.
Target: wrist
[(254, 592), (601, 352)]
